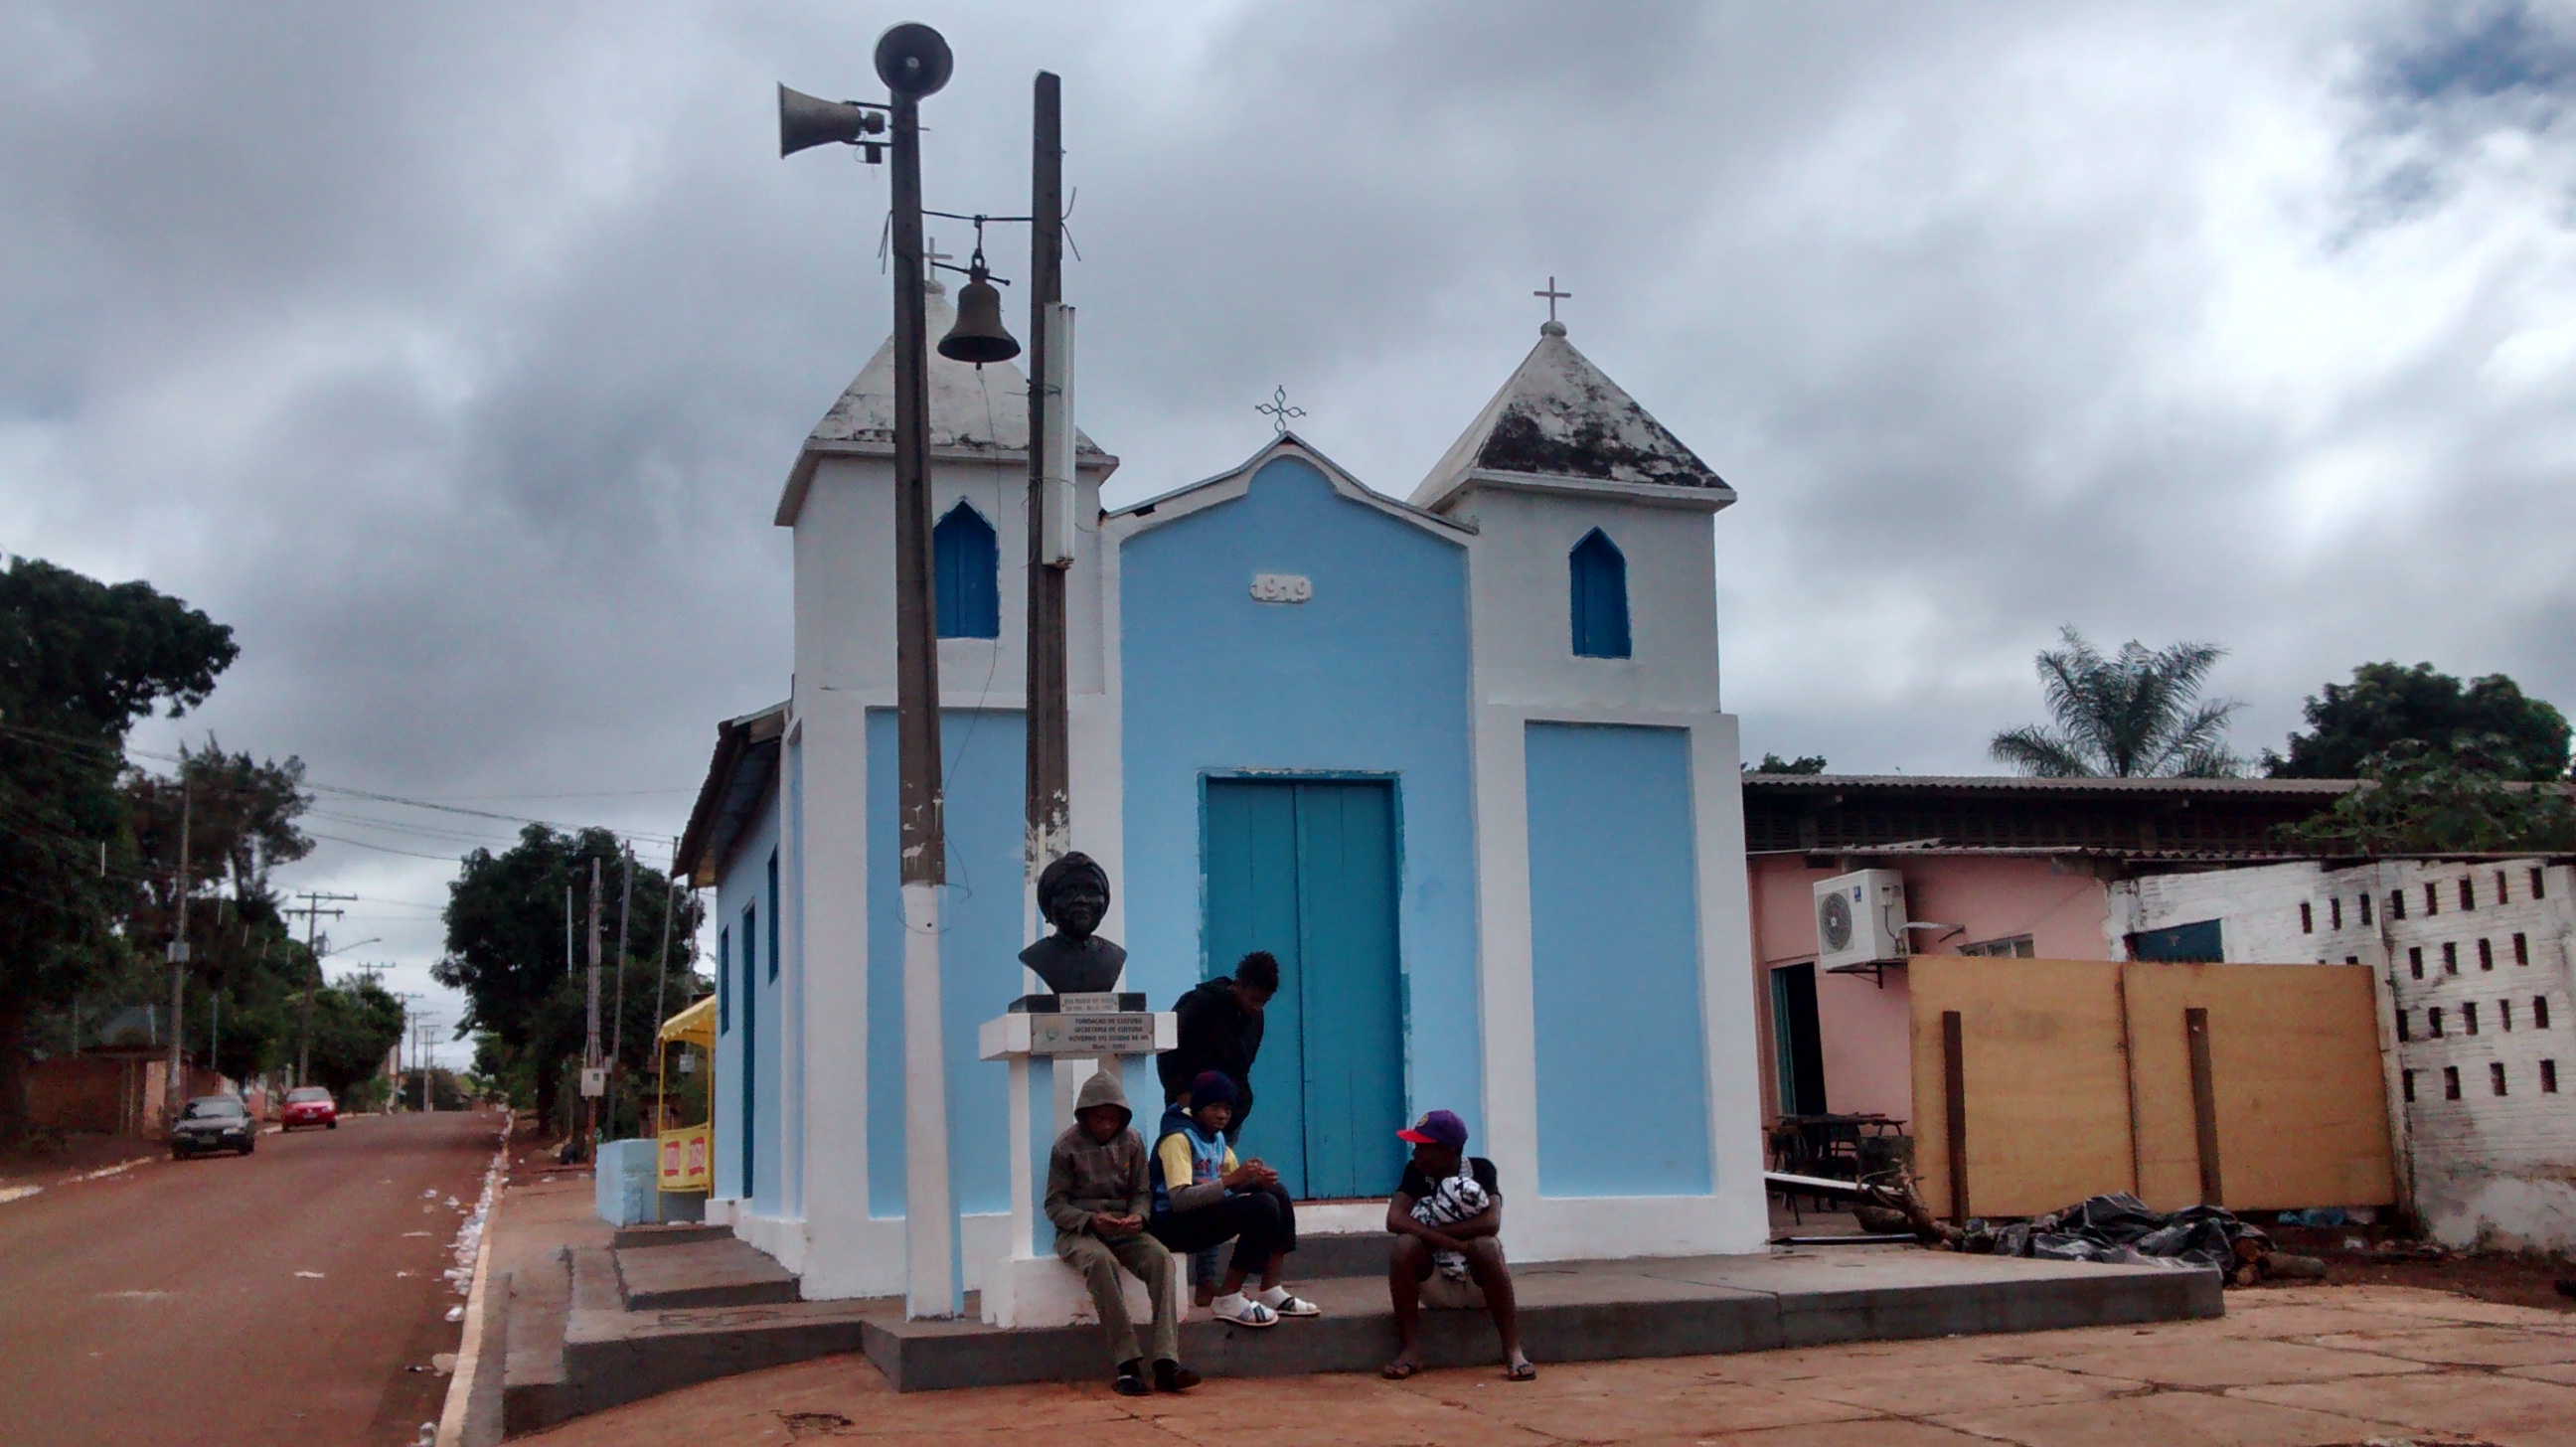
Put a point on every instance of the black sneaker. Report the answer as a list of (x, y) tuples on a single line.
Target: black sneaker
[(1171, 1376), (1130, 1381)]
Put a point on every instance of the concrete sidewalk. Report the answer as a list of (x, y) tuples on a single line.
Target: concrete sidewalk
[(2284, 1368)]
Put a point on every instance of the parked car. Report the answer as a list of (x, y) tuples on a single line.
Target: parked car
[(213, 1123), (309, 1105)]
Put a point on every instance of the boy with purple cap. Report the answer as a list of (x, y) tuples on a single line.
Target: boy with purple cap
[(1447, 1219)]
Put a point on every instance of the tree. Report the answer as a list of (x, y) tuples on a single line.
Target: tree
[(505, 950), (2386, 707), (1803, 764), (355, 1021), (80, 662), (2134, 714), (241, 818), (2418, 800)]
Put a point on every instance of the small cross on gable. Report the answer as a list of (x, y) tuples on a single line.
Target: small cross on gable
[(1554, 327), (1278, 410)]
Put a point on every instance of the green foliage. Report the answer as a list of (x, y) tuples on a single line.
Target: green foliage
[(2387, 707), (2417, 800), (241, 819), (355, 1021), (505, 950), (80, 662), (2133, 714), (1803, 764)]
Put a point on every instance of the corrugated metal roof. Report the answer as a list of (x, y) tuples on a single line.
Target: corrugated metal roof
[(2024, 784)]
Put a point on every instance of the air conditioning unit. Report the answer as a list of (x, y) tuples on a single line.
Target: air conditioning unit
[(1860, 919)]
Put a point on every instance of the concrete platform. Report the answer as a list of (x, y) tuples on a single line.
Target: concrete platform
[(722, 1271), (1584, 1311)]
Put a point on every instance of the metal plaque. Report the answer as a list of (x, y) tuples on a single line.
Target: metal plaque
[(1122, 1034)]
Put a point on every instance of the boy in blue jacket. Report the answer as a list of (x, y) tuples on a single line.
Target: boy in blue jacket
[(1203, 1197)]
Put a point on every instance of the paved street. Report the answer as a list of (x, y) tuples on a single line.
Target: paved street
[(271, 1299), (2284, 1368)]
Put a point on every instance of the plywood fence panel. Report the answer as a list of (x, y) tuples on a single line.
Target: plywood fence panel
[(2047, 1086), (2302, 1104)]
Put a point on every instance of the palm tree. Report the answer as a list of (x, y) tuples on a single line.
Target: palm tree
[(2135, 714)]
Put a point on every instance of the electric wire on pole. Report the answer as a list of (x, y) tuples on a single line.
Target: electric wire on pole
[(313, 912)]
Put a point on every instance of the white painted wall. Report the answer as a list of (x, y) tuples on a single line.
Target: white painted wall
[(845, 665), (2488, 1169), (1525, 670)]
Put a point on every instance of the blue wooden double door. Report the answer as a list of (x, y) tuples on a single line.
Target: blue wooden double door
[(1307, 871)]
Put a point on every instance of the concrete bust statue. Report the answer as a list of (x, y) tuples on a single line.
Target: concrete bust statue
[(1073, 896)]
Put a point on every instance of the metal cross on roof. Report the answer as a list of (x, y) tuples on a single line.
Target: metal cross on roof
[(1278, 410), (931, 256), (1553, 297)]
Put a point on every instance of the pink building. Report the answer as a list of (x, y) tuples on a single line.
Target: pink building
[(1992, 866)]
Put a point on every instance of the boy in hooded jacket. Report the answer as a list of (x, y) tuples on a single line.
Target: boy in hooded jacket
[(1098, 1195)]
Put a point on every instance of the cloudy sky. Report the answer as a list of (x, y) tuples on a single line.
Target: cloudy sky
[(455, 354)]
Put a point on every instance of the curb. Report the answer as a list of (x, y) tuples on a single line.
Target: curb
[(469, 1348)]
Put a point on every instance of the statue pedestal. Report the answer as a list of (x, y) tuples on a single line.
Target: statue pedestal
[(1051, 1050)]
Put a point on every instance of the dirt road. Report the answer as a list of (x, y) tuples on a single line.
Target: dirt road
[(255, 1300)]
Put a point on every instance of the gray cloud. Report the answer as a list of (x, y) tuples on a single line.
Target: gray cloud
[(455, 354)]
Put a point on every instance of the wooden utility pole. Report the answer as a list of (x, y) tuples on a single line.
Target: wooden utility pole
[(175, 1093), (1050, 764), (312, 912)]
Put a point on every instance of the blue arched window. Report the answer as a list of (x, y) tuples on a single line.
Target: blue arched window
[(966, 564), (1600, 578)]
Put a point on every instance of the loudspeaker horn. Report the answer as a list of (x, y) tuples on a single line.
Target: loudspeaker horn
[(913, 60), (805, 121)]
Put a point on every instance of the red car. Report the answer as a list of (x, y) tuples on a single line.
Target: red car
[(310, 1105)]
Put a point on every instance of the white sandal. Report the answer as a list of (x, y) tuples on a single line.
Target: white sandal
[(1287, 1303), (1242, 1311)]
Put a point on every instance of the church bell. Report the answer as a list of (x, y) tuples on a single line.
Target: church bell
[(979, 336)]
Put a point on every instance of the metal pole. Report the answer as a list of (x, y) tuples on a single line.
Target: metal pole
[(625, 908), (1049, 767), (617, 1014), (576, 1130), (930, 1227), (662, 967), (590, 1047), (176, 1089)]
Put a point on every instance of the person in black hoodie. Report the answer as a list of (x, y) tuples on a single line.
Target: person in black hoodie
[(1220, 1030)]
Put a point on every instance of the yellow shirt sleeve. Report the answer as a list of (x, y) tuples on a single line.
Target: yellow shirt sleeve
[(1174, 1153)]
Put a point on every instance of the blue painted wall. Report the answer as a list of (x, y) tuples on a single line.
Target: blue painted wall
[(744, 880), (792, 1081), (1614, 955), (985, 755), (1370, 677)]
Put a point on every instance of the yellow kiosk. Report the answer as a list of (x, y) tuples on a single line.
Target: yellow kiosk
[(687, 1153)]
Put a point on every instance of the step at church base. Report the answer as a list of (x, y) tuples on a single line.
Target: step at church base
[(1570, 1311), (680, 1275)]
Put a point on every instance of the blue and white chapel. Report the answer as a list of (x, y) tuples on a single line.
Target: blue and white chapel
[(1458, 760)]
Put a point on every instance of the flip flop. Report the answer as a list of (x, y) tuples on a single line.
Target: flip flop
[(1520, 1372), (1400, 1371)]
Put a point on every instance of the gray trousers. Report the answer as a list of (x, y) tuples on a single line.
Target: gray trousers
[(1098, 1259)]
